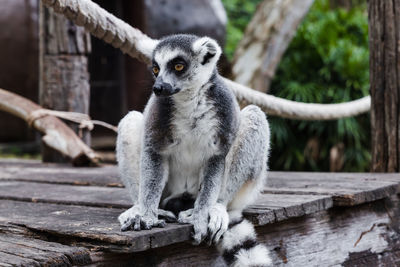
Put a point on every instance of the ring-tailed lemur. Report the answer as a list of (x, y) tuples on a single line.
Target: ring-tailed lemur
[(194, 153)]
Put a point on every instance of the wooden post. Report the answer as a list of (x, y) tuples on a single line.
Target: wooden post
[(64, 77), (384, 38)]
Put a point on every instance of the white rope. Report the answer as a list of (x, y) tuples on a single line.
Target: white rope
[(136, 44), (276, 106)]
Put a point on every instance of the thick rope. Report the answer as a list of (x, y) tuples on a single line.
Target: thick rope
[(119, 34), (280, 107)]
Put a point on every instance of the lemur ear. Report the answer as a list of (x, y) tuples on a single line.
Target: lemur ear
[(207, 49), (147, 46)]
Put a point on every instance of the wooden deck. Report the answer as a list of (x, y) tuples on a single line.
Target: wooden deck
[(56, 215)]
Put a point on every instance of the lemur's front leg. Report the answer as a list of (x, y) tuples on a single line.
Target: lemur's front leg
[(153, 176), (206, 199)]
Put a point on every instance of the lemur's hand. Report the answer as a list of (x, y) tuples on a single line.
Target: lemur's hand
[(133, 219)]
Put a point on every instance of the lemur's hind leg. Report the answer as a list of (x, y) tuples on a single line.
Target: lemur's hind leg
[(244, 177), (245, 170), (128, 152), (246, 162), (128, 156)]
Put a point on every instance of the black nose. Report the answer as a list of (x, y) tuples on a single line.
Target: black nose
[(157, 89), (162, 89)]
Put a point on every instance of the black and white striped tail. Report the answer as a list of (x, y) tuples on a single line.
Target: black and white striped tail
[(239, 246)]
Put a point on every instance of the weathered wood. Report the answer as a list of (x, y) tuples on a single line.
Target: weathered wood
[(56, 134), (346, 189), (325, 238), (265, 40), (20, 242), (64, 77), (330, 238), (66, 194), (267, 209), (271, 208), (96, 227), (384, 39), (61, 174), (300, 227)]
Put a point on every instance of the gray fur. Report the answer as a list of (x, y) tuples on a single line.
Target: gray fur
[(193, 144)]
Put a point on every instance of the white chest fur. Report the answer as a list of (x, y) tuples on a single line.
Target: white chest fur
[(194, 128)]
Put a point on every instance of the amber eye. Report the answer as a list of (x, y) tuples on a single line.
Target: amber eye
[(156, 70), (179, 67)]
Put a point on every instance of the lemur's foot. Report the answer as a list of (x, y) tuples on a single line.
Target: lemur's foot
[(199, 220), (167, 215), (185, 216), (132, 219), (211, 226), (218, 223)]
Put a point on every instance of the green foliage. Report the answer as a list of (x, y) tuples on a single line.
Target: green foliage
[(327, 62), (239, 14)]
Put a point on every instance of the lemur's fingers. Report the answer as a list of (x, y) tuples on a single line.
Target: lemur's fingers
[(196, 239), (160, 223), (218, 223), (127, 215), (167, 215), (136, 223), (185, 216), (221, 231), (184, 220), (214, 226), (127, 224), (147, 223), (200, 223)]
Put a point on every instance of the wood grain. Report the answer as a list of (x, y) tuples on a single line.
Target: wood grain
[(64, 76), (19, 247), (88, 225), (384, 45), (54, 214)]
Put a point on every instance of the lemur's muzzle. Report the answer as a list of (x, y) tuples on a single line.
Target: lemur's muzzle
[(164, 89)]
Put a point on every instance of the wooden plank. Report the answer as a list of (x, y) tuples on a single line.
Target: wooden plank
[(267, 209), (365, 235), (333, 177), (271, 208), (13, 260), (276, 179), (335, 237), (42, 252), (23, 243), (66, 194), (279, 182), (95, 227), (61, 174), (18, 162), (347, 189)]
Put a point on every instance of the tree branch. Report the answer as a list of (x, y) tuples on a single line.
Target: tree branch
[(56, 134)]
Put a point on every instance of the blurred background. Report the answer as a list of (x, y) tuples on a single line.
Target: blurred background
[(325, 61)]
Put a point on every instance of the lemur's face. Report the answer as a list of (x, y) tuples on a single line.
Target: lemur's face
[(183, 63)]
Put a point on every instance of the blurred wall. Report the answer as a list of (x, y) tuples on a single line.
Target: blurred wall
[(19, 60), (158, 18), (118, 82)]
